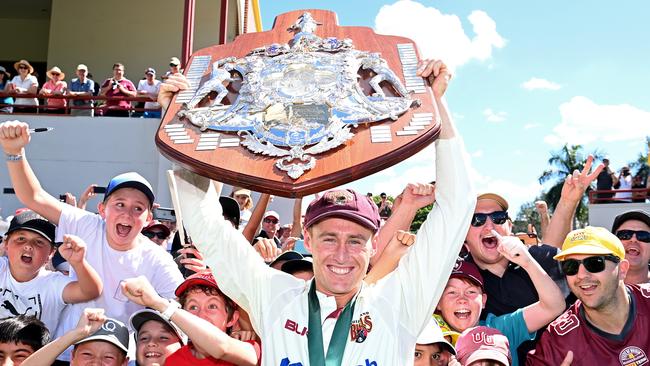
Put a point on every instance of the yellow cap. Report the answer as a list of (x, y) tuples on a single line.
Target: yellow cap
[(446, 329), (591, 240)]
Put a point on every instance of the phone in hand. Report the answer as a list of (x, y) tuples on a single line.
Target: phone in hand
[(62, 197), (164, 214), (8, 191), (97, 189)]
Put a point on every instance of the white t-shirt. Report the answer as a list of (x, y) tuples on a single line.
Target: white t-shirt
[(151, 89), (146, 259), (41, 297), (25, 84), (626, 183)]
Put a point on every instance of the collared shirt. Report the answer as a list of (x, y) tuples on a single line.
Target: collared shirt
[(388, 316), (88, 86)]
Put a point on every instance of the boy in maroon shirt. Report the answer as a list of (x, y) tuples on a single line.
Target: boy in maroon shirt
[(609, 323)]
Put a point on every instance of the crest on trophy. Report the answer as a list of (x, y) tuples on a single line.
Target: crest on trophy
[(284, 110)]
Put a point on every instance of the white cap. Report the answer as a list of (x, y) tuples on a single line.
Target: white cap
[(433, 334)]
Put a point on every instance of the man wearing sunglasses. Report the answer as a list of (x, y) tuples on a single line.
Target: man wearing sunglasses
[(633, 229), (157, 233), (609, 324), (270, 226)]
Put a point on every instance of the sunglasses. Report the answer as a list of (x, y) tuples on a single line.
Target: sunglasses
[(593, 264), (23, 67), (641, 235), (497, 217), (55, 73), (173, 65), (151, 234), (270, 221)]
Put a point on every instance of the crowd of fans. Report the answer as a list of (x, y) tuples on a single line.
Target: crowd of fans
[(630, 188), (83, 88), (230, 285)]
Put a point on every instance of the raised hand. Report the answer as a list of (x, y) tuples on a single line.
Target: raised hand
[(14, 135), (173, 84), (141, 292), (437, 73), (577, 183), (73, 249), (89, 322), (417, 195), (513, 249), (403, 237), (267, 249)]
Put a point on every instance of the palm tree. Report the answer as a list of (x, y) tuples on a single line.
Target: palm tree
[(563, 163)]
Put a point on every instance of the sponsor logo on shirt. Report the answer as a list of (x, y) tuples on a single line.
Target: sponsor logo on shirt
[(294, 327), (359, 329), (632, 356), (285, 362)]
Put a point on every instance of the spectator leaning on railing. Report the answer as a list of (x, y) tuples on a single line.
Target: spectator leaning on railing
[(118, 86), (82, 86), (149, 87), (24, 83), (55, 86)]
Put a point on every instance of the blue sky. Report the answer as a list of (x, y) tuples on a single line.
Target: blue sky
[(529, 77)]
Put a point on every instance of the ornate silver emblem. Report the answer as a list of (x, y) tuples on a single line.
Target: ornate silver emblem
[(298, 99)]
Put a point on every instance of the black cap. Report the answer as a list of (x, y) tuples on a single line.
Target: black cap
[(297, 265), (230, 208), (630, 215), (112, 331), (289, 255), (30, 220)]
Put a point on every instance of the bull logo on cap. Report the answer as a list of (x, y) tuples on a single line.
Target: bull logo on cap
[(339, 197)]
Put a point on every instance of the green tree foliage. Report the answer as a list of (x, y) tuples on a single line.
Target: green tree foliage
[(563, 163), (420, 216), (527, 215), (640, 165)]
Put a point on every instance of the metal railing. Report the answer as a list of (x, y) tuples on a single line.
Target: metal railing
[(609, 195), (99, 108)]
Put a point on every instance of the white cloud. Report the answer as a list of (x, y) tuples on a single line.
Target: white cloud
[(528, 126), (515, 194), (438, 35), (492, 116), (477, 154), (537, 83), (584, 121)]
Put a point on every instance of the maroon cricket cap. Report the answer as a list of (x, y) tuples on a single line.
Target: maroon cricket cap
[(343, 203), (204, 278), (483, 343), (468, 270)]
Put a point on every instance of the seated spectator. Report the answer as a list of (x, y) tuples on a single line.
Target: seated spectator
[(464, 298), (174, 67), (608, 325), (118, 86), (205, 314), (21, 336), (157, 233), (55, 86), (97, 340), (29, 289), (633, 229), (483, 346), (4, 85), (24, 83), (149, 87), (82, 86), (155, 337), (432, 348)]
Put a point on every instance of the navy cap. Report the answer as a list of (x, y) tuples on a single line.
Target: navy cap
[(30, 220), (112, 331), (130, 180)]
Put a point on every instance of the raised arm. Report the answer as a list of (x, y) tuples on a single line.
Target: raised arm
[(296, 225), (414, 197), (442, 234), (14, 136), (396, 248), (573, 191), (201, 332), (91, 320), (256, 217), (551, 300), (88, 285)]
